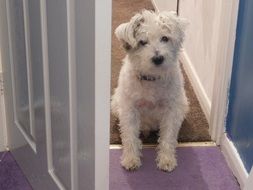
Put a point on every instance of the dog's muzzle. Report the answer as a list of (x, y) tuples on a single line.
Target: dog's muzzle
[(158, 59)]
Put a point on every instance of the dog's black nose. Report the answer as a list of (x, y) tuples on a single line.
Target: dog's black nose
[(158, 59)]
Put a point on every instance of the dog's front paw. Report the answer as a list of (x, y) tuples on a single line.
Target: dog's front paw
[(131, 162), (166, 162)]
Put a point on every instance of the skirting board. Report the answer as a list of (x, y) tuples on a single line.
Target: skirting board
[(186, 144), (197, 86), (234, 161), (249, 182)]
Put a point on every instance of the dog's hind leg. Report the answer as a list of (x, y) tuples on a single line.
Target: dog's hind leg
[(130, 130)]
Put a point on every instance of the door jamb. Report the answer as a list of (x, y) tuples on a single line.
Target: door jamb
[(225, 52)]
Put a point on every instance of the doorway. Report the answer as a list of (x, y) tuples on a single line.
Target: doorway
[(195, 127)]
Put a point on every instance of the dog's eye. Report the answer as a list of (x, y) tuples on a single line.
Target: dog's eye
[(164, 39), (142, 42)]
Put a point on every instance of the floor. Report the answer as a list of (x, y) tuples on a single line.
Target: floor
[(11, 176), (199, 168)]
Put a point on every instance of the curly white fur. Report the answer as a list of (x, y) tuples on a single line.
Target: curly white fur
[(143, 105)]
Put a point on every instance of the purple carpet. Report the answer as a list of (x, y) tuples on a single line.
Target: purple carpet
[(11, 176), (199, 168)]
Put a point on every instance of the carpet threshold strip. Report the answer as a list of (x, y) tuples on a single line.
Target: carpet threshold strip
[(185, 144)]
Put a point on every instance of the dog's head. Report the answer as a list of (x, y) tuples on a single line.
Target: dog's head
[(152, 40)]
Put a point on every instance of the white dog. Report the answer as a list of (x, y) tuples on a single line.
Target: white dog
[(150, 93)]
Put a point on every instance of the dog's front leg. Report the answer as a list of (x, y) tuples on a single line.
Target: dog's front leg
[(169, 128), (130, 129)]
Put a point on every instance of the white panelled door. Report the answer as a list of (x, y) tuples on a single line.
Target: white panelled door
[(57, 90)]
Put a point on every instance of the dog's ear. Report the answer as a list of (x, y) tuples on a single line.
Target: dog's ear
[(175, 25), (126, 32)]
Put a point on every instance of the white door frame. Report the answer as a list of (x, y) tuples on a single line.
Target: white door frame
[(103, 11), (225, 53)]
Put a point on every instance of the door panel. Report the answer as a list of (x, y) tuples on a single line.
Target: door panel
[(19, 69), (37, 67)]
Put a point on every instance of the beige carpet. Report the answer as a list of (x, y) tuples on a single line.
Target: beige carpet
[(195, 126)]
